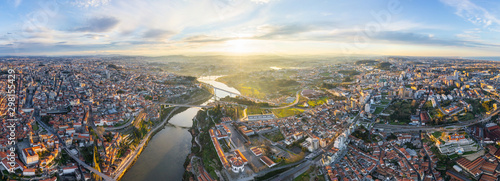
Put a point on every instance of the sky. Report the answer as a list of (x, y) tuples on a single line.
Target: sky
[(250, 27)]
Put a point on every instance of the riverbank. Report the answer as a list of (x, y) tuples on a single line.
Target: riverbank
[(202, 148), (130, 160), (167, 148)]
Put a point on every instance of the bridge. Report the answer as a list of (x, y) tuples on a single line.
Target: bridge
[(186, 105)]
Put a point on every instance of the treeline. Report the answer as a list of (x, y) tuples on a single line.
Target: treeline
[(244, 102), (181, 80), (349, 72), (361, 62), (384, 66), (378, 64), (113, 66), (334, 85)]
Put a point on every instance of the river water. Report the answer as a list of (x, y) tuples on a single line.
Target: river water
[(164, 156)]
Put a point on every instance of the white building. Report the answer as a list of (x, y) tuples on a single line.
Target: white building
[(367, 108), (29, 172), (69, 170), (339, 142)]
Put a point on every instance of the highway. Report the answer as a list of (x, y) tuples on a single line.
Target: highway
[(291, 173), (407, 128)]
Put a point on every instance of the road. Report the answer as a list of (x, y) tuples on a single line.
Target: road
[(291, 173), (186, 105), (137, 119), (125, 163), (63, 145), (401, 154), (287, 175), (88, 167), (405, 128), (297, 97), (238, 94), (422, 105), (430, 165)]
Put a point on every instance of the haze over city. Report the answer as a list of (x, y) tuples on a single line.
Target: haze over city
[(250, 90), (242, 27)]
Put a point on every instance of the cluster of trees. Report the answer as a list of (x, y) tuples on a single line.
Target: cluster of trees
[(296, 143), (139, 133), (113, 66), (334, 85), (488, 105), (46, 119), (363, 134), (347, 79), (349, 72), (378, 64), (365, 62), (392, 137), (244, 101), (403, 110), (234, 112), (384, 66), (184, 80), (478, 107)]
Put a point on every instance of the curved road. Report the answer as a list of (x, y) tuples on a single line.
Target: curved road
[(238, 94), (297, 97), (138, 118)]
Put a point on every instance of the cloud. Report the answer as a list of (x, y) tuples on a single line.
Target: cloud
[(261, 1), (472, 12), (273, 31), (95, 36), (470, 34), (206, 39), (99, 24), (17, 3), (90, 3), (262, 32), (427, 39), (157, 34), (48, 48)]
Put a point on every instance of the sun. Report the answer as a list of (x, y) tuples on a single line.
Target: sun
[(240, 46)]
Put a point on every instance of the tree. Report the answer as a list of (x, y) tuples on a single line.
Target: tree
[(99, 131), (486, 105), (347, 79), (392, 137)]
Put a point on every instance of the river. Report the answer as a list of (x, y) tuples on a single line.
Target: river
[(164, 156)]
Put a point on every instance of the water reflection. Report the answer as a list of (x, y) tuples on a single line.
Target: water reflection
[(166, 152)]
